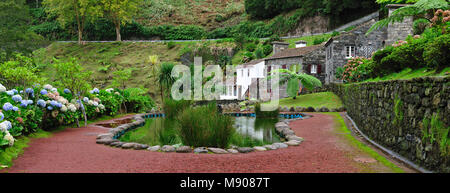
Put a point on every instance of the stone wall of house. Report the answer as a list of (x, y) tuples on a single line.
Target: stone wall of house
[(394, 114), (316, 57), (365, 46), (398, 30), (284, 61)]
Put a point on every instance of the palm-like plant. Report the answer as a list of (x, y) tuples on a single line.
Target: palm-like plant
[(164, 77), (292, 78), (421, 8)]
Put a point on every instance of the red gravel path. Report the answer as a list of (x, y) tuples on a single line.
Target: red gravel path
[(74, 150)]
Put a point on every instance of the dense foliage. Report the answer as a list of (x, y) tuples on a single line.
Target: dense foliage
[(214, 131), (28, 106), (428, 50)]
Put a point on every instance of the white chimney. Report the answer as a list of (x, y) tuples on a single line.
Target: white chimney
[(300, 44)]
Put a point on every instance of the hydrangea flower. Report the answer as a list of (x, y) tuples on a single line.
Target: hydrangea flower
[(29, 90), (85, 99), (15, 91), (43, 92), (7, 106), (5, 126), (53, 103), (67, 91), (30, 102), (2, 116), (101, 106), (15, 109), (72, 108), (41, 103), (109, 90), (95, 104), (17, 98), (54, 90), (10, 92), (8, 137), (95, 91), (50, 108), (2, 88), (21, 92), (48, 87), (63, 108), (24, 103)]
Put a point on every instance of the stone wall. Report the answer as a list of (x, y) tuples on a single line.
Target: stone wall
[(364, 47), (398, 30), (392, 113)]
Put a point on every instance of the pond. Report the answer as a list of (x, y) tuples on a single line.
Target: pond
[(161, 131)]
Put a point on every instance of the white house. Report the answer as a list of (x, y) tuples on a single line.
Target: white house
[(245, 73)]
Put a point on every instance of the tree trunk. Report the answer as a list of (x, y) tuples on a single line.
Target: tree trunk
[(162, 94), (118, 36)]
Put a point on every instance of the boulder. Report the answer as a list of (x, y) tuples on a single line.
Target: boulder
[(106, 141), (310, 109), (280, 145), (201, 150), (184, 149), (270, 147), (154, 148), (128, 145), (168, 148), (293, 143), (258, 148), (116, 144), (217, 150), (105, 135), (324, 109), (233, 151), (294, 137), (140, 146), (245, 149)]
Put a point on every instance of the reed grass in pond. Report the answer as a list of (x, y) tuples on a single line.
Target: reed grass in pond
[(250, 131)]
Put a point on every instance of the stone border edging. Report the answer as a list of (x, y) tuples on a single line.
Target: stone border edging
[(111, 139), (391, 153)]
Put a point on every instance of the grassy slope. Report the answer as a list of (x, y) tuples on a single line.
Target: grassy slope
[(316, 100), (113, 56), (206, 13), (409, 74), (345, 132)]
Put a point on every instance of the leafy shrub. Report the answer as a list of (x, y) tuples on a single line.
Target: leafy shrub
[(172, 108), (259, 53), (137, 101), (436, 54), (198, 131), (357, 69), (267, 49), (339, 73), (265, 114), (250, 47)]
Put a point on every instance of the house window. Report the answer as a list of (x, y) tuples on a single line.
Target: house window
[(284, 66), (350, 51), (313, 69)]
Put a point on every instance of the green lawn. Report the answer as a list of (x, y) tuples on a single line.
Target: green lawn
[(410, 74), (316, 100)]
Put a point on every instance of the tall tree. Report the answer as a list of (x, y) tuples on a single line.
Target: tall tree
[(120, 12), (68, 10), (15, 35), (73, 76)]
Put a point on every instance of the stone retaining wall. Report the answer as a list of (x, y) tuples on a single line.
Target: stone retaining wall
[(394, 114)]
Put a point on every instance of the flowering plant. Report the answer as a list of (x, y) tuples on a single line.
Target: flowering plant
[(356, 69)]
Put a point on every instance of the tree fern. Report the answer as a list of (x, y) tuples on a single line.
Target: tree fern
[(292, 78), (419, 8)]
